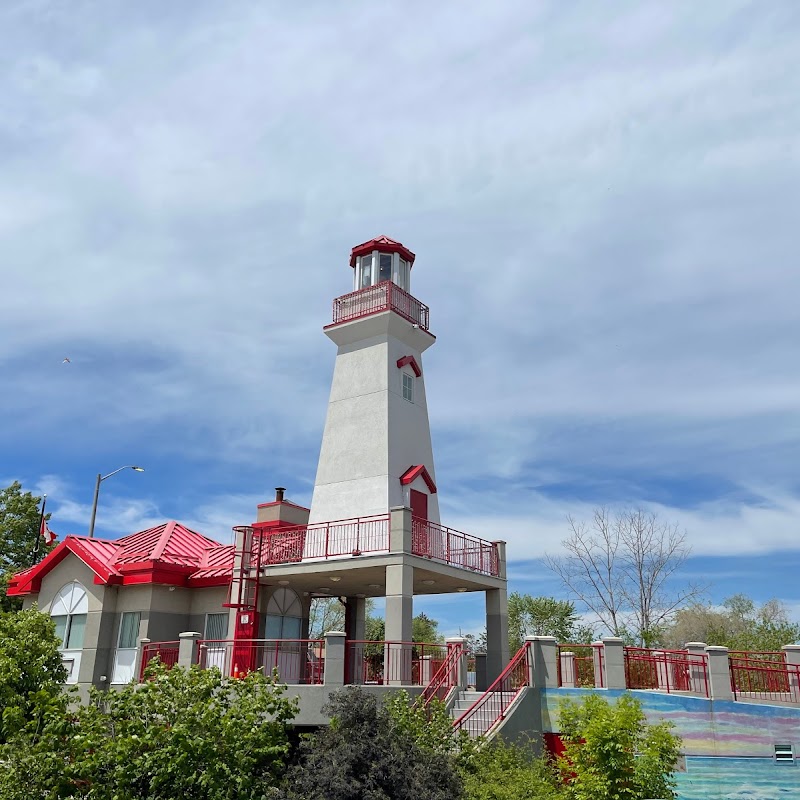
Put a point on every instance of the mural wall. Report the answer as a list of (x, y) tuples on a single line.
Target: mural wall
[(729, 747)]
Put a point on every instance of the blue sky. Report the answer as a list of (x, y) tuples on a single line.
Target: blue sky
[(603, 201)]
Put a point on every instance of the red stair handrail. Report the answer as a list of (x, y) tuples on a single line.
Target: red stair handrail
[(444, 675)]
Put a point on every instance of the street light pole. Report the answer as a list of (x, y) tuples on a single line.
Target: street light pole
[(100, 479)]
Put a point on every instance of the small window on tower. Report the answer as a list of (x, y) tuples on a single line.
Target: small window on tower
[(408, 387), (366, 271), (385, 267)]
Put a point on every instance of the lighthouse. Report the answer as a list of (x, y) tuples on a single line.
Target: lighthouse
[(376, 448)]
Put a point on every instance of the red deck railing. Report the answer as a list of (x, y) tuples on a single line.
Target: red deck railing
[(577, 665), (763, 676), (167, 653), (666, 670), (445, 678), (383, 296), (400, 663), (297, 660), (430, 540), (493, 704), (346, 537)]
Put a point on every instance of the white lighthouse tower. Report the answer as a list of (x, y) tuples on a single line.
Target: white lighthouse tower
[(376, 448)]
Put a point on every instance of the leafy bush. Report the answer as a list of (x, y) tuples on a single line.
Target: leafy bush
[(183, 734), (611, 753)]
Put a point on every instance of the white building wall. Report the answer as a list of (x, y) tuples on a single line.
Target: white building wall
[(372, 434)]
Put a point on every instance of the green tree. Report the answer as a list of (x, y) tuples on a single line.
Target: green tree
[(365, 755), (31, 672), (739, 625), (19, 529), (612, 753), (544, 616), (425, 629), (184, 733)]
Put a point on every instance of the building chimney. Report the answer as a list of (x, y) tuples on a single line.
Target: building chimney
[(279, 490)]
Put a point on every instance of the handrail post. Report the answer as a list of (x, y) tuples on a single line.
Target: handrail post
[(719, 673), (334, 658), (543, 660), (457, 642), (614, 658), (187, 649)]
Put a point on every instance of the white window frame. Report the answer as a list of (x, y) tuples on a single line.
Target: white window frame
[(407, 386)]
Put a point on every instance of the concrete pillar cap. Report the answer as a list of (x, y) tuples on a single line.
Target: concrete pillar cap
[(335, 633), (399, 508), (189, 635), (541, 639), (716, 648), (791, 647), (455, 640), (613, 640), (695, 644)]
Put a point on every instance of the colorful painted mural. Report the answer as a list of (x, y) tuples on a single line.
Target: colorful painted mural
[(729, 746)]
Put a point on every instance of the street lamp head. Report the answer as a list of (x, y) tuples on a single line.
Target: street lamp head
[(138, 469)]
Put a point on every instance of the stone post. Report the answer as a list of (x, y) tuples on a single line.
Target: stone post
[(698, 680), (614, 658), (500, 546), (791, 655), (461, 666), (187, 648), (497, 654), (399, 529), (334, 658), (542, 661), (399, 614), (139, 659), (567, 664), (719, 673), (599, 665), (481, 675), (663, 678)]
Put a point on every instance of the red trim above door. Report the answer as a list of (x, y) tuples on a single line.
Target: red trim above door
[(412, 473)]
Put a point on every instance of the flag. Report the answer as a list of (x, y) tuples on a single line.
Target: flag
[(45, 532)]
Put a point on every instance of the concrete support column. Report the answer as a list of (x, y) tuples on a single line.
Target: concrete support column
[(599, 665), (461, 667), (399, 615), (719, 673), (334, 658), (791, 654), (542, 661), (496, 632), (567, 663), (187, 649), (399, 529), (698, 681), (355, 618), (500, 547), (614, 658)]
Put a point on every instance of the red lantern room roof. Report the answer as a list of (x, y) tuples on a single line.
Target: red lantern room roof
[(384, 245)]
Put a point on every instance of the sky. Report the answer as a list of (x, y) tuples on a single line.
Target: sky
[(603, 199)]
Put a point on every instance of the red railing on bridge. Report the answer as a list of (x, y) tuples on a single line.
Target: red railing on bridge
[(400, 663), (385, 296), (445, 678), (297, 660), (763, 676), (167, 653), (491, 707), (430, 540), (578, 665), (666, 670)]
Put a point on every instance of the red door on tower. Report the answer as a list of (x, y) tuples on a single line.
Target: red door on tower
[(420, 539)]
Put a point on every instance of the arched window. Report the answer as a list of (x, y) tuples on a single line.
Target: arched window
[(68, 610), (284, 615)]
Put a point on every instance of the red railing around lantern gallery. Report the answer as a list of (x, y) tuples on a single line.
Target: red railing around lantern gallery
[(580, 665), (492, 706), (399, 663), (430, 540), (385, 296), (445, 678), (296, 660), (666, 670), (167, 653), (323, 540)]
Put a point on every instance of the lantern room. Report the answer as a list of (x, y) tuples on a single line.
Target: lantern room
[(381, 259)]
